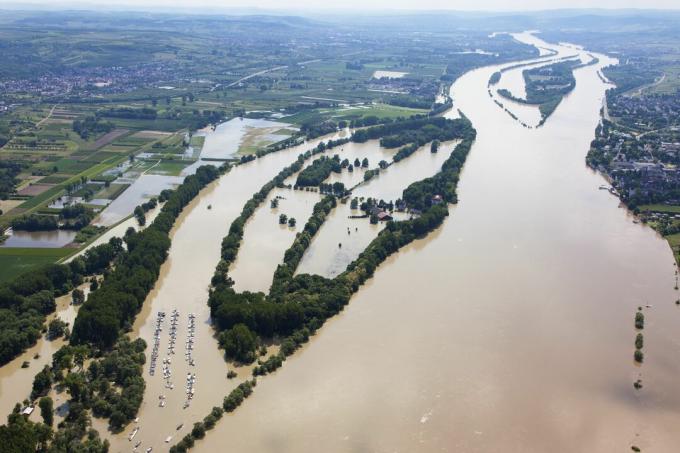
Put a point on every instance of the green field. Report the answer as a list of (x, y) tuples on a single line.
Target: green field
[(660, 208), (169, 167), (14, 261)]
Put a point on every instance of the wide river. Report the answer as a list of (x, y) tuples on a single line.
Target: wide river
[(509, 329)]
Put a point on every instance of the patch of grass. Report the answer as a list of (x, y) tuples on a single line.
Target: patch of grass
[(54, 179), (112, 192), (660, 208), (170, 167), (14, 261)]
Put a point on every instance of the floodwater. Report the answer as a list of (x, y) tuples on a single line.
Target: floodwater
[(140, 191), (510, 328), (221, 144), (389, 74), (16, 382), (265, 241), (118, 231), (44, 239), (225, 140), (342, 239), (183, 285)]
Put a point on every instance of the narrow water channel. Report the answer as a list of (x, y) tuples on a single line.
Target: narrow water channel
[(508, 329)]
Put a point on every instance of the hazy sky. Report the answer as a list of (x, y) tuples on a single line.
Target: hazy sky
[(476, 5)]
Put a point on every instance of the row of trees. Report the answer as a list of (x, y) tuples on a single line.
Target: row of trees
[(75, 217), (413, 132), (405, 152), (229, 404), (419, 195), (120, 297), (316, 173)]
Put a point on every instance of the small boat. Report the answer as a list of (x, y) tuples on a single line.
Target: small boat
[(149, 450), (209, 206), (180, 426), (138, 444), (133, 434), (168, 439)]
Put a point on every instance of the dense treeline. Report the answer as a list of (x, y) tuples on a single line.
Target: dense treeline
[(75, 217), (122, 368), (495, 78), (438, 108), (111, 386), (314, 129), (405, 152), (8, 177), (144, 113), (419, 195), (26, 300), (316, 173), (411, 102), (120, 297), (414, 131), (35, 222), (191, 119), (91, 125)]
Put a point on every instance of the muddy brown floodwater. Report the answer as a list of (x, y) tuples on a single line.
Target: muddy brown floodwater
[(183, 285), (509, 329)]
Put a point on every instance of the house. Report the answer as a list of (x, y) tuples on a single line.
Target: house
[(384, 216)]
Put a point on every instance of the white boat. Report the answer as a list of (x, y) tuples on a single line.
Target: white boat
[(168, 439), (133, 434)]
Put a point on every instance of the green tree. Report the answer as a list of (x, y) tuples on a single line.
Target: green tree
[(47, 410), (77, 296), (42, 382), (56, 329), (239, 343)]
